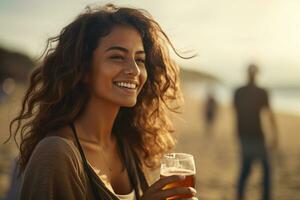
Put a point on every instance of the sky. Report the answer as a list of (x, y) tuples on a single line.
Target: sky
[(226, 35)]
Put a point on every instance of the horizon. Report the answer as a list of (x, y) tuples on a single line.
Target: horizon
[(225, 37)]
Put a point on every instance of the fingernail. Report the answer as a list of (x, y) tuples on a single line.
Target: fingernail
[(193, 190)]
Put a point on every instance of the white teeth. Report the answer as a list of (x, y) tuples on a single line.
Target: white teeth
[(126, 85)]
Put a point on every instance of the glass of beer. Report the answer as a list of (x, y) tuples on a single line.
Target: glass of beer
[(179, 164)]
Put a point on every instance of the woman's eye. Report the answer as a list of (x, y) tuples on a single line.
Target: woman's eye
[(140, 60), (117, 57)]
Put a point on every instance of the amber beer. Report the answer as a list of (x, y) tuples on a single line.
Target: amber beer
[(179, 164), (189, 181)]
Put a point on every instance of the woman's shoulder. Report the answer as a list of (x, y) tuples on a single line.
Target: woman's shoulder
[(55, 144), (54, 168), (56, 151)]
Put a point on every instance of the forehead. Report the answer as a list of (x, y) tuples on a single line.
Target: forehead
[(124, 36)]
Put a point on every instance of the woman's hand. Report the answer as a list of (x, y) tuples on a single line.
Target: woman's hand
[(156, 191)]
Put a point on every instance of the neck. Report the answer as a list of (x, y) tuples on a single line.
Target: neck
[(96, 122), (251, 81)]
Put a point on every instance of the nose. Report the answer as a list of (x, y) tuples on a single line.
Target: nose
[(132, 68)]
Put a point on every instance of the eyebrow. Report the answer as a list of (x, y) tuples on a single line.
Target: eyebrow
[(119, 48)]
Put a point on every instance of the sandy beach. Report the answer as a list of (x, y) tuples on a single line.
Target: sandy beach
[(216, 155)]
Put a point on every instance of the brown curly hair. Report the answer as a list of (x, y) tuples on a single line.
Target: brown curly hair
[(56, 94)]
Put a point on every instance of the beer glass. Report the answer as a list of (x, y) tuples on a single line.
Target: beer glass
[(179, 164)]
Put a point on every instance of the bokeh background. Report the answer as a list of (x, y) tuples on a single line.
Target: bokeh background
[(226, 35)]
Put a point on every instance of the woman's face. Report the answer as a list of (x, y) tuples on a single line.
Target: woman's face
[(118, 70)]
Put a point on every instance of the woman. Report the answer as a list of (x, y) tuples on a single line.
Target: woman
[(95, 110)]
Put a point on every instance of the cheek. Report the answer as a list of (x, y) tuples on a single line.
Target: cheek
[(101, 80)]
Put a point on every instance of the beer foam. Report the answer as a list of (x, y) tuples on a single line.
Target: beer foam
[(176, 171)]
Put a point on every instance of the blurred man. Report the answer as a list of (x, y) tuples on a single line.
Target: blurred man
[(210, 112), (249, 101)]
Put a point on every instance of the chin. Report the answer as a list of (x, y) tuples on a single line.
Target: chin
[(128, 103)]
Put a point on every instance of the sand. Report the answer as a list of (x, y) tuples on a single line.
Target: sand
[(216, 154)]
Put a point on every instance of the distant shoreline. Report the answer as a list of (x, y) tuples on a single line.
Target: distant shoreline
[(282, 101)]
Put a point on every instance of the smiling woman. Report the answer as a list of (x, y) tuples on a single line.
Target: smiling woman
[(118, 69), (93, 120)]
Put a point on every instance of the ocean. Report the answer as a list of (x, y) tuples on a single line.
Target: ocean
[(285, 100)]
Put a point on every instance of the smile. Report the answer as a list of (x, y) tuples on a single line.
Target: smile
[(127, 85)]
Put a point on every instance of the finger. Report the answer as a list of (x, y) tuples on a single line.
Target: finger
[(166, 180), (177, 191)]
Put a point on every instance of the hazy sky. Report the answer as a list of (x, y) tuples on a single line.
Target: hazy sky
[(226, 34)]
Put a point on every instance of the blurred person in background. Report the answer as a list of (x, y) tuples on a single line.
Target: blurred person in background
[(210, 112), (249, 102), (94, 122)]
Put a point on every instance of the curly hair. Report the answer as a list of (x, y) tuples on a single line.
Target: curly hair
[(56, 94)]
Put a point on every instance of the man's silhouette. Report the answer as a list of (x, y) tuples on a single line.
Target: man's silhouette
[(249, 101), (210, 113)]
